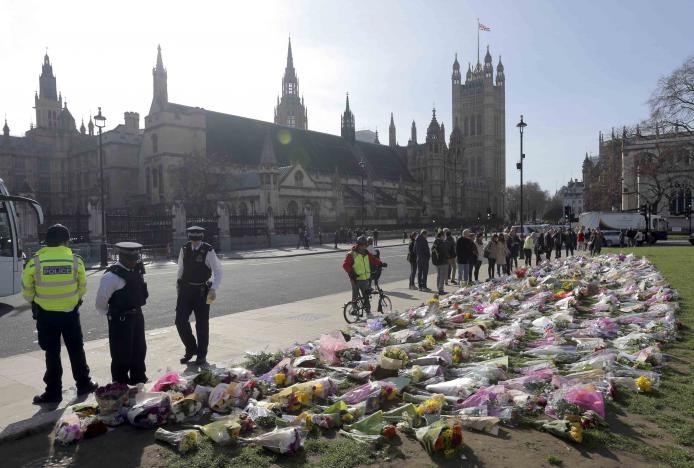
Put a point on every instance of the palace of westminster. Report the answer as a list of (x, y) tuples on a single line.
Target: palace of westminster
[(189, 153)]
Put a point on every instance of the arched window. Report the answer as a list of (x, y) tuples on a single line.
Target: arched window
[(155, 143), (479, 124), (293, 208), (299, 179), (243, 209)]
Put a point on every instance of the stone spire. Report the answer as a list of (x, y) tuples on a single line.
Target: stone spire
[(160, 94), (347, 123), (391, 132), (6, 129), (413, 133)]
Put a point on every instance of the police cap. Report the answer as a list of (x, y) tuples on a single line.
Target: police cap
[(129, 250), (196, 232), (56, 235)]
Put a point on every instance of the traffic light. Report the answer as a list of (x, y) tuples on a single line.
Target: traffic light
[(489, 213), (643, 210), (567, 211)]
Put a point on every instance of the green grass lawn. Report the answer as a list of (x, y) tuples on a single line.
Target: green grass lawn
[(671, 408)]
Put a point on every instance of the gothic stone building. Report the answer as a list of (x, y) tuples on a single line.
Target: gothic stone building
[(636, 168), (189, 153), (56, 163)]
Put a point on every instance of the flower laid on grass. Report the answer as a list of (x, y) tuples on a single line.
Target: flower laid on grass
[(431, 406), (644, 384), (444, 436)]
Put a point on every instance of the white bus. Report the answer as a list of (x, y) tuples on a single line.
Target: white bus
[(11, 262)]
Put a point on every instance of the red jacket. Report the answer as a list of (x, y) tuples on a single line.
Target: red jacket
[(348, 264)]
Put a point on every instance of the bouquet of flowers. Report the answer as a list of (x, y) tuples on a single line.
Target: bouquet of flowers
[(394, 357), (457, 353), (222, 431), (521, 272), (185, 407), (262, 413), (69, 428), (348, 355), (183, 441), (150, 409), (370, 425), (562, 428), (444, 436), (111, 397), (286, 441), (432, 405), (169, 381)]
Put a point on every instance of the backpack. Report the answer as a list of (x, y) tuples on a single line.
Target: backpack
[(435, 254)]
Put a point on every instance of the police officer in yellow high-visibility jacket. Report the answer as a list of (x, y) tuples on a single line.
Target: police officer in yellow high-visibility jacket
[(54, 282)]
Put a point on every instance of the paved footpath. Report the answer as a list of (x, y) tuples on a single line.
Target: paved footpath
[(269, 328)]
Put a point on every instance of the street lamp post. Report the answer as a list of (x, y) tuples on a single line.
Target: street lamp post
[(362, 164), (521, 126), (100, 122)]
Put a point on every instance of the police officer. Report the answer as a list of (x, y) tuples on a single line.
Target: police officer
[(121, 295), (54, 282), (197, 263)]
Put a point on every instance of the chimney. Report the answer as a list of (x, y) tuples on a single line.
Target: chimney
[(132, 121)]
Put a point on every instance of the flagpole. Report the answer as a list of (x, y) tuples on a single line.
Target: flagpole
[(478, 40)]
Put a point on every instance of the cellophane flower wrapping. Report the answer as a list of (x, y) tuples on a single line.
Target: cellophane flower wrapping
[(444, 436), (286, 441), (69, 429), (111, 397), (167, 382), (223, 431), (185, 407), (151, 409), (370, 425), (183, 441)]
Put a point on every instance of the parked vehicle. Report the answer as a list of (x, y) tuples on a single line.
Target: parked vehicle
[(606, 220), (611, 237)]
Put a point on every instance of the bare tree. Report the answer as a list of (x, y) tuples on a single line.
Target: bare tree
[(534, 201), (672, 103)]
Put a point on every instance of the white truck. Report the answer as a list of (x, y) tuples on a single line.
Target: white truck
[(615, 221), (11, 262)]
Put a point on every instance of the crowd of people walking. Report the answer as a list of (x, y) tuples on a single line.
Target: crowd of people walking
[(459, 260)]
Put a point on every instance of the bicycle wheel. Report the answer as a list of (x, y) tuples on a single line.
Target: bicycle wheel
[(385, 306), (352, 311)]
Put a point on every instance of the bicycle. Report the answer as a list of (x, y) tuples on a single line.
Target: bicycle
[(355, 310)]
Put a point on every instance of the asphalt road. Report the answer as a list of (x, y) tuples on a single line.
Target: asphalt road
[(247, 285)]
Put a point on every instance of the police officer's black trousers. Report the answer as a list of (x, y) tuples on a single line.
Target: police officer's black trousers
[(51, 326), (126, 340), (193, 299)]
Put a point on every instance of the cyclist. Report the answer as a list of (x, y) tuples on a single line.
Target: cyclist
[(358, 264)]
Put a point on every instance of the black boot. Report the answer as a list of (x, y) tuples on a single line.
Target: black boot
[(86, 389), (46, 398), (187, 357)]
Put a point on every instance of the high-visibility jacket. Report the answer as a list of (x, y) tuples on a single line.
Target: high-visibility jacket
[(362, 266), (55, 279)]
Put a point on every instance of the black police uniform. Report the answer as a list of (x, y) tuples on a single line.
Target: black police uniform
[(193, 287), (126, 326)]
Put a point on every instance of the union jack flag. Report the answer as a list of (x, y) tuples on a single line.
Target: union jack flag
[(483, 27)]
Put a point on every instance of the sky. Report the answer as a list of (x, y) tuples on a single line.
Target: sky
[(572, 68)]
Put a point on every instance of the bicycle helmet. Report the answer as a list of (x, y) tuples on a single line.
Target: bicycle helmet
[(362, 240)]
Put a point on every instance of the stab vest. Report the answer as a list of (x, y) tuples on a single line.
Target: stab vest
[(134, 294), (194, 268)]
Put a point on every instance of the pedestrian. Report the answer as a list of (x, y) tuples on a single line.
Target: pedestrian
[(466, 257), (479, 245), (580, 239), (539, 247), (528, 247), (121, 295), (404, 236), (358, 265), (570, 242), (639, 238), (320, 237), (509, 252), (375, 236), (300, 240), (197, 263), (502, 255), (549, 243), (412, 259), (515, 247), (307, 238), (622, 237), (54, 282), (336, 238), (423, 256), (490, 252), (450, 256), (558, 241), (599, 241), (439, 258)]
